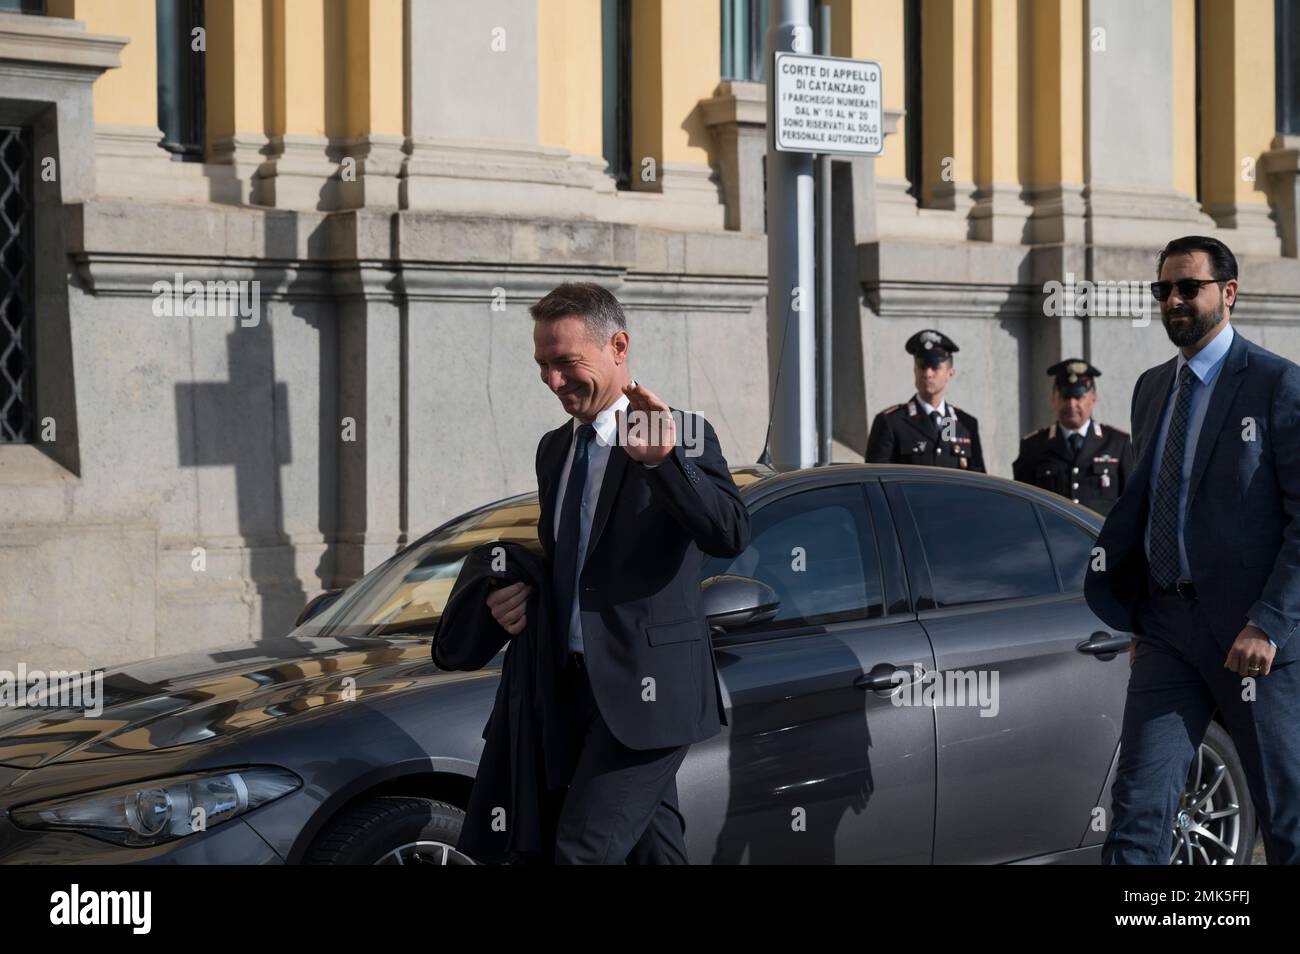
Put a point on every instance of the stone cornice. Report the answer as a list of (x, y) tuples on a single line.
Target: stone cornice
[(55, 43)]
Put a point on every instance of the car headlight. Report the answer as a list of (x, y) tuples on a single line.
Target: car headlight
[(160, 810)]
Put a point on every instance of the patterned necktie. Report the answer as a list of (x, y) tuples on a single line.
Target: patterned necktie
[(564, 569), (1076, 442), (1165, 564)]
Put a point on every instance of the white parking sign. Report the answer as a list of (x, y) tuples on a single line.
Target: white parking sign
[(828, 104)]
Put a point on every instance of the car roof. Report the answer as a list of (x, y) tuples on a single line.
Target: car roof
[(761, 479)]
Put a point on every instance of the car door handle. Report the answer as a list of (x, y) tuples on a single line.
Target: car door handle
[(886, 676), (1100, 644)]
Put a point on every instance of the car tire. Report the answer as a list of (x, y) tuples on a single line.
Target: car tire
[(1216, 782), (392, 829)]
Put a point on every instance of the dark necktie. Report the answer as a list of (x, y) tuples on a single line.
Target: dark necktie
[(564, 569), (937, 420), (1076, 442), (1164, 511)]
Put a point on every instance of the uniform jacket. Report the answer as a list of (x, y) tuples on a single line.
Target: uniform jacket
[(1242, 527), (903, 434), (649, 655), (1095, 477)]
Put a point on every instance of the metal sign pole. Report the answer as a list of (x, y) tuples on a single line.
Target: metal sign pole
[(824, 288), (791, 293)]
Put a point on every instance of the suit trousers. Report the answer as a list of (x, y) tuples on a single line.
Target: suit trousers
[(621, 806), (1177, 682)]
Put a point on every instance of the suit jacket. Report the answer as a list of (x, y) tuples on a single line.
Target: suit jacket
[(902, 434), (528, 753), (648, 651), (1094, 477), (1242, 527)]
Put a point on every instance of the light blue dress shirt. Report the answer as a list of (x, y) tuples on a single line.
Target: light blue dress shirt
[(1206, 365)]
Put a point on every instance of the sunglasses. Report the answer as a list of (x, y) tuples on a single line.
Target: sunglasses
[(1187, 287)]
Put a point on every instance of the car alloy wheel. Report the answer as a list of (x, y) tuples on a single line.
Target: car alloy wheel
[(1208, 823), (424, 853)]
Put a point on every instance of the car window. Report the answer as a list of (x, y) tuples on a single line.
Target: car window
[(980, 544), (817, 550), (1071, 547), (409, 592)]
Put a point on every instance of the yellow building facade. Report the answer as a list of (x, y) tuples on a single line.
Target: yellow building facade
[(399, 179)]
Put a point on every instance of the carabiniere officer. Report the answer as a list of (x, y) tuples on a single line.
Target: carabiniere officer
[(927, 429), (1077, 457)]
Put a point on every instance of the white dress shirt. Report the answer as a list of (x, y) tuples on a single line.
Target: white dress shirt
[(1082, 431), (942, 408), (598, 452)]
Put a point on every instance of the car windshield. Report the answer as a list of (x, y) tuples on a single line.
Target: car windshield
[(408, 592)]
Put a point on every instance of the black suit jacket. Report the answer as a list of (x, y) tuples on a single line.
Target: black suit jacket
[(902, 434), (648, 651), (1094, 477), (528, 752), (1242, 531)]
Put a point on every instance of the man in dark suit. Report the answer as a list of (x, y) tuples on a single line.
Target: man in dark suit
[(632, 494), (927, 429), (1200, 558), (1077, 457)]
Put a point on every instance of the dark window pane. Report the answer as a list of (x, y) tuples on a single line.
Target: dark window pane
[(22, 6), (181, 114), (1071, 548), (744, 32), (616, 93), (980, 544), (912, 95), (817, 550), (1287, 31), (17, 312)]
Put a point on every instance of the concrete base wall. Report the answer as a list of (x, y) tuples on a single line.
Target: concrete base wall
[(229, 468)]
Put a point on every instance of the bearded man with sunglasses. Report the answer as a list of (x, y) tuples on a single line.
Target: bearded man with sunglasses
[(1200, 558)]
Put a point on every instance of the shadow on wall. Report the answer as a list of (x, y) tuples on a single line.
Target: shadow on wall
[(244, 422)]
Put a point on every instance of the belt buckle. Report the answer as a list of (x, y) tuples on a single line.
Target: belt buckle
[(1185, 589)]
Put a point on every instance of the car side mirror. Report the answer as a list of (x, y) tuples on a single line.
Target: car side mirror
[(316, 605), (731, 602)]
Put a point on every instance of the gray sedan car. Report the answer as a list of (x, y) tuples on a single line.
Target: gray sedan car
[(910, 671)]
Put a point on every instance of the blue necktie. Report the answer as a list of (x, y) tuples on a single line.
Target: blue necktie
[(1076, 443), (1165, 564), (564, 569)]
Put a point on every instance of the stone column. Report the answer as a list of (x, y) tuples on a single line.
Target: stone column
[(1000, 214), (370, 149), (1237, 120), (1132, 197), (1281, 165), (948, 140), (236, 90), (736, 114)]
